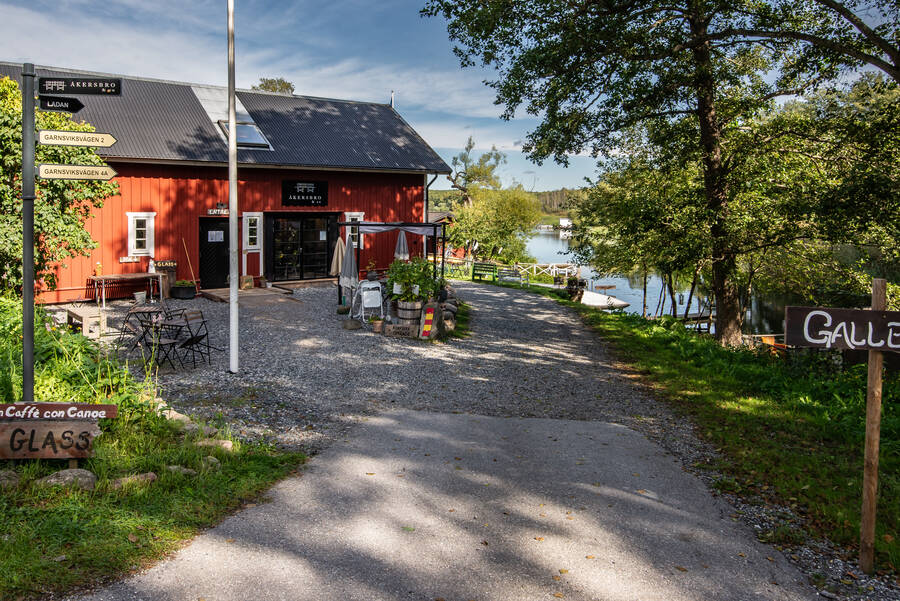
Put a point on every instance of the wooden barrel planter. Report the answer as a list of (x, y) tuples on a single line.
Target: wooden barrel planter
[(409, 312)]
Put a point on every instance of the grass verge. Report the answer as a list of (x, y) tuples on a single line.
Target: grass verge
[(53, 539), (790, 432)]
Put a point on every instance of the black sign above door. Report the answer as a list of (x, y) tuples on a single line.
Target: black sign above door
[(295, 193)]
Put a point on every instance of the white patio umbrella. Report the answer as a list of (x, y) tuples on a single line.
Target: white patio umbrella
[(402, 250), (337, 259), (349, 276)]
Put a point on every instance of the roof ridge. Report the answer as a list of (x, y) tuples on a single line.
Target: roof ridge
[(190, 84)]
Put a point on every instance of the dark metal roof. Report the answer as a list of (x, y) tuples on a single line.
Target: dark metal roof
[(157, 120)]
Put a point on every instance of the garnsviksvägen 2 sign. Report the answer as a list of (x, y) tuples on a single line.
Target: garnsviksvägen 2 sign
[(50, 430), (824, 327), (52, 137)]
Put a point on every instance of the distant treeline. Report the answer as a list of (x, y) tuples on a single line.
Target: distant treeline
[(552, 201)]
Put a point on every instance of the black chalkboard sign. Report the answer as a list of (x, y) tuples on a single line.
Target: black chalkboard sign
[(296, 193)]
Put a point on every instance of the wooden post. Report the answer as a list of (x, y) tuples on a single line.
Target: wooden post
[(873, 433)]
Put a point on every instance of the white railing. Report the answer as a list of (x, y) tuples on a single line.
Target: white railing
[(551, 269)]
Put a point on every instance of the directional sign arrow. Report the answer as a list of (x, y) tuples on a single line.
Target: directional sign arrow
[(87, 172), (53, 137), (61, 104)]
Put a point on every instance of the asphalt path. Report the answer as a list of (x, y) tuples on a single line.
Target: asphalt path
[(428, 506)]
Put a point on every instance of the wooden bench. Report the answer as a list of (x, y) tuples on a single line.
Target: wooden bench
[(482, 271), (512, 275)]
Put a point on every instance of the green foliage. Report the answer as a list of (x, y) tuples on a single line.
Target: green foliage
[(61, 207), (105, 533), (279, 85), (409, 274), (187, 283), (470, 174), (689, 75), (68, 367), (804, 415), (496, 224)]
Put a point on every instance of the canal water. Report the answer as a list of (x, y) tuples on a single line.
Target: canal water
[(764, 317)]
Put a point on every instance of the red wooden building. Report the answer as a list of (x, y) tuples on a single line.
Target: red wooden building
[(304, 164)]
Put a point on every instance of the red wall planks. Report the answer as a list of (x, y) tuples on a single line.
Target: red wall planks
[(181, 195)]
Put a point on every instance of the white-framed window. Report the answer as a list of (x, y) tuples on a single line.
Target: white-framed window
[(252, 225), (353, 235), (140, 234)]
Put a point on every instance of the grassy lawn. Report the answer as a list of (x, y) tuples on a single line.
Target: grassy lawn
[(790, 432), (55, 539)]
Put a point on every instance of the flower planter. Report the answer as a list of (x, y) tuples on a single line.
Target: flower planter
[(378, 326), (409, 312), (183, 292)]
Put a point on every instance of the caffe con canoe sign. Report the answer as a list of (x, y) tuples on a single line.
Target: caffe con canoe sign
[(823, 327), (50, 430)]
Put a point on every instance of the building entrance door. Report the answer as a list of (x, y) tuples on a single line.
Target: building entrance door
[(299, 246), (213, 253)]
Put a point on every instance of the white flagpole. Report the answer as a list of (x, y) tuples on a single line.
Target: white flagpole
[(233, 343)]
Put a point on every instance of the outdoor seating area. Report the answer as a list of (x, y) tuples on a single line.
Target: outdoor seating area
[(165, 336)]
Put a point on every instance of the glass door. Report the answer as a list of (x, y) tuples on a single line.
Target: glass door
[(287, 249), (315, 247)]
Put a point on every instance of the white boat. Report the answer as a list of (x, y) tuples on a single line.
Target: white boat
[(603, 301)]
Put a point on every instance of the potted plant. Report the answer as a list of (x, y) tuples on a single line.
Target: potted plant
[(371, 274), (377, 323), (183, 289)]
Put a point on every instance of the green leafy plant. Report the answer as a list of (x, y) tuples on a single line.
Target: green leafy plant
[(408, 275), (185, 283)]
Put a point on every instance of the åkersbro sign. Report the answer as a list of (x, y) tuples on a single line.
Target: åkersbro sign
[(95, 86)]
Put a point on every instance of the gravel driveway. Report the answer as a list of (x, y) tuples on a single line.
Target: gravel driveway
[(303, 378)]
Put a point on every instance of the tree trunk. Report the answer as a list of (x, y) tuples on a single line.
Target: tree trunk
[(659, 301), (644, 311), (687, 308), (728, 327), (671, 286)]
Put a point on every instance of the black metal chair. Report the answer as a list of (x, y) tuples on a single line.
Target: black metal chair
[(197, 341), (158, 346)]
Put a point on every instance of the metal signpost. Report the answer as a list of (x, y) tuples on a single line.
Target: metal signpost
[(47, 87), (875, 330)]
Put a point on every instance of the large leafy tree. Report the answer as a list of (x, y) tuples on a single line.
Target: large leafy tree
[(496, 223), (689, 71), (470, 174), (279, 85), (61, 207)]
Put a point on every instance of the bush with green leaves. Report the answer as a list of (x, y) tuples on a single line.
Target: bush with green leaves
[(68, 366), (409, 274)]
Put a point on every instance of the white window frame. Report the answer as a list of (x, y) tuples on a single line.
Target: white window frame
[(133, 251), (354, 238), (259, 233)]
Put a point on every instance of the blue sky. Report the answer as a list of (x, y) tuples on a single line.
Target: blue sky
[(352, 49)]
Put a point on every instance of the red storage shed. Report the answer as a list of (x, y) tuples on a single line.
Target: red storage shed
[(304, 164)]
